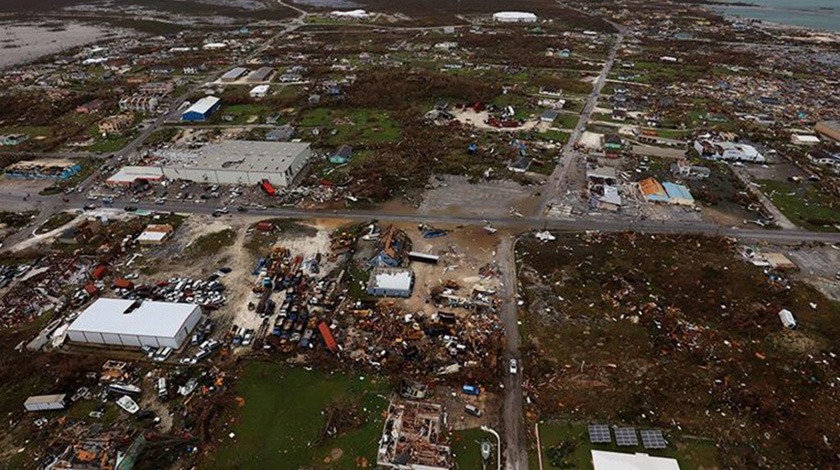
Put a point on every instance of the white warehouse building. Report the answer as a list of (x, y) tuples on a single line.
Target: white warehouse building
[(135, 323), (514, 17), (241, 162)]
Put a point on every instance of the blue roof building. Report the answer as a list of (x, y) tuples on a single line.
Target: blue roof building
[(201, 109)]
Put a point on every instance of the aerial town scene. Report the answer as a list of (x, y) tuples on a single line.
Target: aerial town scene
[(419, 235)]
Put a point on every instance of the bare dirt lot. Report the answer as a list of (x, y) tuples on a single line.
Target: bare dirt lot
[(454, 195), (681, 334)]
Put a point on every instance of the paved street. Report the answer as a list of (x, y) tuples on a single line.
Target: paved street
[(516, 448)]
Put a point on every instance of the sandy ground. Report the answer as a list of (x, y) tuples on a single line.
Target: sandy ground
[(239, 283), (591, 140), (457, 196), (472, 118), (35, 239), (463, 251), (25, 43)]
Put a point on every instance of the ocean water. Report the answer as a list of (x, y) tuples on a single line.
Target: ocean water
[(817, 14)]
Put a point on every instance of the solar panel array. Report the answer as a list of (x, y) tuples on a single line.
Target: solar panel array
[(599, 434), (626, 437), (653, 439)]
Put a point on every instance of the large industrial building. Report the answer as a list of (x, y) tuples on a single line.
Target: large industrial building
[(514, 17), (133, 323), (201, 109), (240, 162)]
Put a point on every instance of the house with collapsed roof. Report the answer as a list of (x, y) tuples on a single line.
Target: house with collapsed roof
[(727, 151), (394, 246), (669, 193)]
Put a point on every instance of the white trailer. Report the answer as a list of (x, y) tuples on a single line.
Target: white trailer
[(46, 402)]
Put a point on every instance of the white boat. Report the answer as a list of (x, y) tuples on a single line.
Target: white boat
[(126, 403), (188, 388), (119, 387)]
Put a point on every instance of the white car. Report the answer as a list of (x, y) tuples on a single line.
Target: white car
[(514, 367)]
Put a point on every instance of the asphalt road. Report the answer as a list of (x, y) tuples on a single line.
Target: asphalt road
[(557, 180), (16, 202), (516, 453)]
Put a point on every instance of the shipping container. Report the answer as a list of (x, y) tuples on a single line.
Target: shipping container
[(46, 402)]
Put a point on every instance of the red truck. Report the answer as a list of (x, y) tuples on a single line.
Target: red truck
[(268, 188)]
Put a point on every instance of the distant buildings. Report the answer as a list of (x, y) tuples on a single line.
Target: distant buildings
[(514, 17), (728, 151), (201, 109), (42, 169), (90, 107), (139, 103), (684, 169), (262, 74), (259, 91), (157, 88), (234, 74)]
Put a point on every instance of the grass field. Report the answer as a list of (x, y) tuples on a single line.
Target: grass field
[(242, 114), (354, 127), (282, 420), (466, 445), (567, 121), (691, 454), (556, 136), (803, 204), (210, 244)]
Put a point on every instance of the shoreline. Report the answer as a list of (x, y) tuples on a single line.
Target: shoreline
[(24, 44), (724, 9)]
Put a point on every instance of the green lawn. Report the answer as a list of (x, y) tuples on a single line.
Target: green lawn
[(466, 445), (110, 144), (691, 454), (354, 127), (211, 243), (803, 204), (31, 131), (672, 133), (280, 424), (557, 136), (567, 121), (241, 114)]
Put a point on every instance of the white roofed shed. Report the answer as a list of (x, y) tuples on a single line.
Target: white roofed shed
[(132, 323)]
